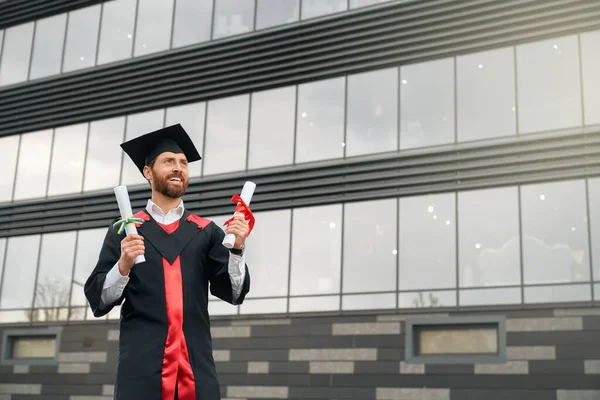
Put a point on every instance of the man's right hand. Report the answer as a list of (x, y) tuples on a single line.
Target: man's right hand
[(131, 247)]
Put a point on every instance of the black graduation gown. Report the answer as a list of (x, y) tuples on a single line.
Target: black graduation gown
[(165, 329)]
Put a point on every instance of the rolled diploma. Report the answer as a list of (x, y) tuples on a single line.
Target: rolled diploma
[(246, 195), (125, 210)]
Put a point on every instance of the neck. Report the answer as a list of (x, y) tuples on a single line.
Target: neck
[(165, 203)]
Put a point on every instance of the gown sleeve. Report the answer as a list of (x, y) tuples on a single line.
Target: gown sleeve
[(109, 255), (218, 260)]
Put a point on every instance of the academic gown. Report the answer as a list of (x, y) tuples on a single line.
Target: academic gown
[(165, 328)]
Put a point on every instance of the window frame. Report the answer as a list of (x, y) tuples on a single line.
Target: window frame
[(411, 338), (10, 334)]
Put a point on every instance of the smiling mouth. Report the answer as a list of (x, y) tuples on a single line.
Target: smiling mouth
[(177, 180)]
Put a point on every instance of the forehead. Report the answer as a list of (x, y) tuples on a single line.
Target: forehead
[(168, 155)]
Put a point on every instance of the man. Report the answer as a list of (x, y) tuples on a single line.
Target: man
[(165, 342)]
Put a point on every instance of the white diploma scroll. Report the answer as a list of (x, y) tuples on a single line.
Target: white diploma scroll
[(246, 195), (126, 212)]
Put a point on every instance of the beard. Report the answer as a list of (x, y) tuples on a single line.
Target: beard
[(164, 187)]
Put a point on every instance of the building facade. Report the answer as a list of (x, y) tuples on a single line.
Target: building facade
[(428, 181)]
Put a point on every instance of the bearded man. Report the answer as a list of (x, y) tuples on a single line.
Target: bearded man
[(165, 343)]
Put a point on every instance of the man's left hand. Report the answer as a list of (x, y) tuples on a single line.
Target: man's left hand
[(239, 227)]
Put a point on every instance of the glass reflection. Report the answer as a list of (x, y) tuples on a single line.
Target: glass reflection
[(590, 60), (19, 272), (89, 243), (320, 121), (272, 128), (318, 8), (193, 22), (53, 284), (308, 304), (116, 32), (9, 147), (489, 242), (594, 199), (479, 115), (16, 51), (427, 242), (103, 163), (226, 135), (545, 102), (268, 254), (558, 294), (34, 160), (264, 306), (372, 122), (233, 17), (138, 125), (489, 297), (369, 301), (82, 38), (276, 12), (153, 27), (48, 46), (316, 250), (427, 299), (191, 117), (68, 157), (365, 3), (555, 233), (370, 251), (427, 104)]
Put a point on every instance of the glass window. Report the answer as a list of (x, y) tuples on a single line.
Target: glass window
[(19, 272), (593, 201), (48, 46), (56, 265), (219, 307), (372, 125), (138, 125), (316, 250), (555, 234), (276, 12), (116, 31), (16, 52), (82, 38), (427, 242), (427, 104), (2, 255), (193, 22), (192, 118), (365, 3), (68, 157), (558, 293), (320, 122), (9, 147), (89, 243), (272, 128), (34, 162), (226, 135), (317, 8), (370, 250), (103, 162), (233, 17), (489, 297), (263, 306), (268, 254), (427, 299), (320, 303), (369, 301), (153, 28), (548, 85), (481, 116), (590, 59), (488, 237)]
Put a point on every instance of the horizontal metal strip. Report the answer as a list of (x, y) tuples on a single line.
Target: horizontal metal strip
[(225, 70), (158, 81), (15, 12), (536, 166)]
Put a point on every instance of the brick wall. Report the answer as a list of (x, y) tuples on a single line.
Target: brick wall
[(552, 355)]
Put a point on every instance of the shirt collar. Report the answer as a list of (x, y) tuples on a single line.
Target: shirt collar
[(152, 208)]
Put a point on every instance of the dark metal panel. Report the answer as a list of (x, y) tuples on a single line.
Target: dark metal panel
[(389, 35), (510, 161), (15, 12)]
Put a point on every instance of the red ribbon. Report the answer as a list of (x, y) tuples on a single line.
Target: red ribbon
[(242, 208)]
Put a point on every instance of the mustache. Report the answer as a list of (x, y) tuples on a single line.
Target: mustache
[(180, 176)]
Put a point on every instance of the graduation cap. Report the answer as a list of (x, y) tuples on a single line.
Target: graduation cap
[(142, 150)]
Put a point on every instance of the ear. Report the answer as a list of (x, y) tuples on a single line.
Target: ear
[(148, 173)]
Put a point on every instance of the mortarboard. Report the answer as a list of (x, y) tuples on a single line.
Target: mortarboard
[(172, 138)]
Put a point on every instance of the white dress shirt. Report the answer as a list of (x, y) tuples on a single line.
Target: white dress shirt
[(115, 283)]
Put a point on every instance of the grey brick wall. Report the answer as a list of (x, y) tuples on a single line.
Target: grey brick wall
[(552, 355)]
